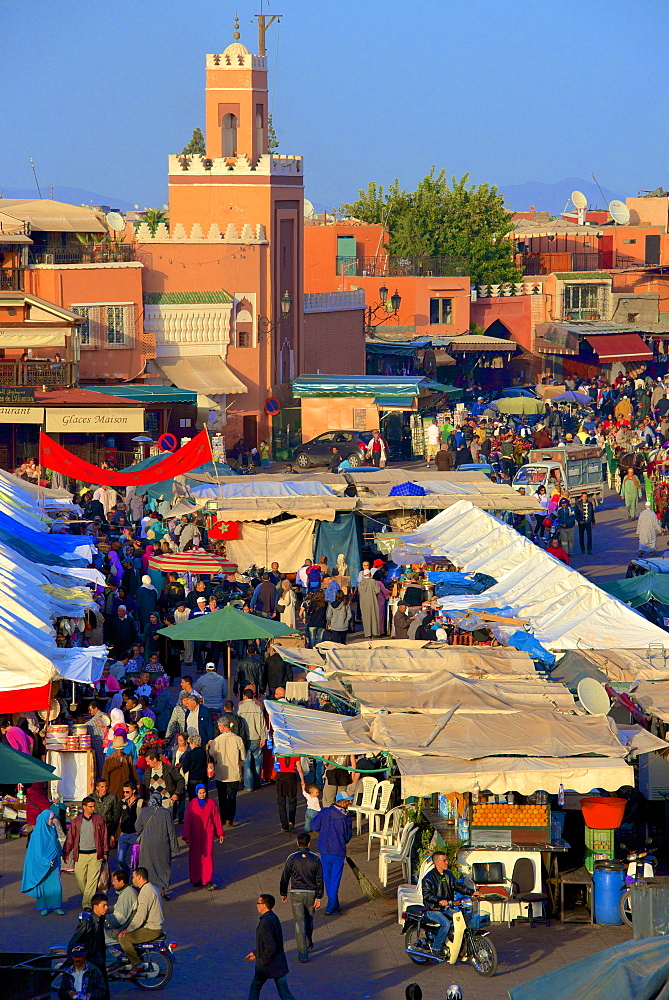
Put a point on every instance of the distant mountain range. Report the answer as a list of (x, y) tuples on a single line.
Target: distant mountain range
[(70, 195), (554, 198)]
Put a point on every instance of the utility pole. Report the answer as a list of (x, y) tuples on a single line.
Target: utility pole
[(264, 22)]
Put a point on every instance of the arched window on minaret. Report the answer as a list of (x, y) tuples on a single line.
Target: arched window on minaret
[(260, 130), (229, 131)]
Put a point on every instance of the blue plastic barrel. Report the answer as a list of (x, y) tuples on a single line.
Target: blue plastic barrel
[(608, 883)]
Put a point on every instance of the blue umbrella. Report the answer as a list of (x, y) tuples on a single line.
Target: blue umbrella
[(571, 396)]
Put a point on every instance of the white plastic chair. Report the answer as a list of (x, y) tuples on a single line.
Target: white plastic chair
[(411, 895), (398, 855), (365, 804), (377, 815), (388, 834)]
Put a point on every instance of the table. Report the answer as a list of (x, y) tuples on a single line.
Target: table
[(578, 876)]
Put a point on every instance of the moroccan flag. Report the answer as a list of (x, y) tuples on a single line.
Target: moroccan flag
[(54, 456)]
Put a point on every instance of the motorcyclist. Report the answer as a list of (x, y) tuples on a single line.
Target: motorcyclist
[(439, 888), (90, 932)]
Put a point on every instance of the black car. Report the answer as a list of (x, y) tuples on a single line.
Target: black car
[(318, 451)]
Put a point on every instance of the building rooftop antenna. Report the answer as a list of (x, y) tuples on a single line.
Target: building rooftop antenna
[(32, 164), (264, 21), (600, 189)]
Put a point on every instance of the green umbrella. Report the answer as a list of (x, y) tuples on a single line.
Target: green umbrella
[(518, 405), (227, 624), (640, 589), (20, 768)]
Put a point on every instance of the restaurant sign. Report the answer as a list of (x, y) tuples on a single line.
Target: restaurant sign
[(93, 421)]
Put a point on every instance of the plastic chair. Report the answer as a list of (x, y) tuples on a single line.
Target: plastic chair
[(398, 855), (387, 835), (411, 895), (377, 814), (365, 803)]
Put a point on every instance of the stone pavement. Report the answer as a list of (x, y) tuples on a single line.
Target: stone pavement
[(357, 955)]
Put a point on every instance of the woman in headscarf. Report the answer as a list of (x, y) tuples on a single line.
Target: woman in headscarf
[(147, 601), (151, 637), (41, 868), (286, 604), (163, 703), (157, 843), (202, 822)]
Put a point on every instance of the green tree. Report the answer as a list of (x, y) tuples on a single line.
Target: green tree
[(196, 146), (437, 220), (153, 217), (272, 141)]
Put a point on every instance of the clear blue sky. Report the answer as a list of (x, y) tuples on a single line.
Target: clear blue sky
[(100, 92)]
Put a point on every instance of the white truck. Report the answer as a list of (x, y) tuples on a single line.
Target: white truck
[(576, 468)]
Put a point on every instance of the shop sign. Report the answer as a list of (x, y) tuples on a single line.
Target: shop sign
[(21, 414), (16, 394), (92, 421)]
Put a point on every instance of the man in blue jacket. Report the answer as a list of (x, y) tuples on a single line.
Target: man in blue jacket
[(335, 829)]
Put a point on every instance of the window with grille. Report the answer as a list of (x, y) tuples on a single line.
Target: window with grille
[(85, 330), (115, 316), (243, 338), (584, 301), (441, 311)]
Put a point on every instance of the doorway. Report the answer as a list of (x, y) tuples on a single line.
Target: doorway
[(251, 431)]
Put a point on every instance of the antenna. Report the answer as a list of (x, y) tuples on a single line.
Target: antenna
[(580, 203), (620, 213), (32, 164), (600, 188), (264, 21)]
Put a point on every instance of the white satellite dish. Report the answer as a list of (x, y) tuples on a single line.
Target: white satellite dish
[(309, 210), (592, 695), (619, 211), (578, 199), (115, 221)]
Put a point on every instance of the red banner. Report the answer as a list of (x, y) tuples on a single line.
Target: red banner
[(54, 456)]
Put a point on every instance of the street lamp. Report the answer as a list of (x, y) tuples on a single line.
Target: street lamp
[(382, 308), (268, 326)]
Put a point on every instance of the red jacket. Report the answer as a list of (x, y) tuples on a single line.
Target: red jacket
[(99, 832)]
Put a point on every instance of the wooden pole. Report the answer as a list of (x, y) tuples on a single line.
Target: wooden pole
[(229, 670)]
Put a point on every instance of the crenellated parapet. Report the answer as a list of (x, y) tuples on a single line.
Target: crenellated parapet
[(246, 233), (269, 164)]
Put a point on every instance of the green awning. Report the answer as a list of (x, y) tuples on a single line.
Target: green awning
[(361, 386), (146, 394), (225, 625), (640, 589), (19, 768), (394, 402), (396, 350)]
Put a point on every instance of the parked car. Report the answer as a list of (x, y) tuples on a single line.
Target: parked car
[(318, 451)]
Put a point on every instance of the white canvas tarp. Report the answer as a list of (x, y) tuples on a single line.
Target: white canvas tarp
[(653, 698), (525, 775), (391, 660), (564, 608), (289, 543)]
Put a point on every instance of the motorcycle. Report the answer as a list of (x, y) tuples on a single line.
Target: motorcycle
[(641, 865), (467, 938)]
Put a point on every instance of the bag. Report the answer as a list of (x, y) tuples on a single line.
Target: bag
[(547, 522), (104, 878), (134, 856)]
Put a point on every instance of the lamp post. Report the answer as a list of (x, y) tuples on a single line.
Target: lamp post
[(268, 326), (382, 307)]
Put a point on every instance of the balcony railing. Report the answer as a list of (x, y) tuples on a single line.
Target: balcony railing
[(10, 279), (353, 298), (549, 263), (102, 254), (35, 374), (401, 267)]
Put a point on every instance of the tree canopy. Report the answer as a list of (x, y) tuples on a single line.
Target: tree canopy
[(153, 218), (462, 220), (196, 145)]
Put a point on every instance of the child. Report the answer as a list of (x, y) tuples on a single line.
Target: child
[(264, 455), (312, 795)]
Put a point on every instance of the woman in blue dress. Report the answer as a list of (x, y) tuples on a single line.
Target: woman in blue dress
[(41, 868)]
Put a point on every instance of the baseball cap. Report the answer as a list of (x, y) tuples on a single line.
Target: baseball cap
[(203, 599), (343, 797), (78, 951), (210, 666)]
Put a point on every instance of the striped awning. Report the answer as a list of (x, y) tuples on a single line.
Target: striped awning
[(192, 562)]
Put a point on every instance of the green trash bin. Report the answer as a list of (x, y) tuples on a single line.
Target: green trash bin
[(650, 907)]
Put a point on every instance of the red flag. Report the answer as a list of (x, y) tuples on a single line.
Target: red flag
[(54, 456)]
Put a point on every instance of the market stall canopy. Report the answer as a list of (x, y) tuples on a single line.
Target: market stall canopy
[(499, 775), (612, 666), (564, 608), (19, 768), (193, 561), (518, 405), (390, 660), (49, 216), (225, 625), (635, 970), (653, 698), (365, 386), (434, 694), (638, 590)]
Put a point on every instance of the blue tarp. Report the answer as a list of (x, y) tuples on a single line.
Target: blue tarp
[(456, 584), (40, 546), (407, 490), (344, 534), (241, 488), (635, 970), (529, 645)]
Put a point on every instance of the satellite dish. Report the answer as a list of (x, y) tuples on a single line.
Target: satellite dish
[(309, 210), (592, 695), (620, 213), (135, 207), (115, 221), (578, 199)]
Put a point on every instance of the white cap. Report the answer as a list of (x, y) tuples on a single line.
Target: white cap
[(203, 599), (210, 666)]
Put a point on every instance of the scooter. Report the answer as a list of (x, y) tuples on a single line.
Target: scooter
[(467, 939), (641, 865)]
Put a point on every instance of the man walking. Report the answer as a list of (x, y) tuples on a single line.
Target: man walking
[(269, 956), (87, 842), (336, 829), (227, 761), (303, 873), (213, 689), (585, 518), (250, 712)]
